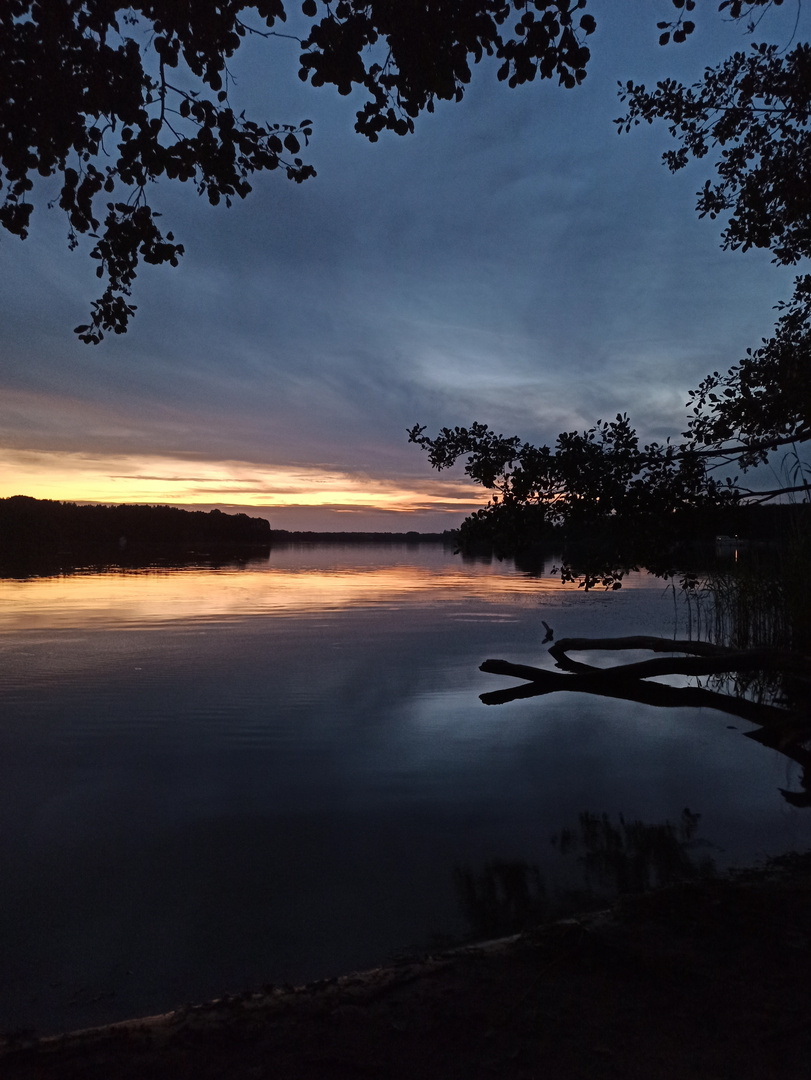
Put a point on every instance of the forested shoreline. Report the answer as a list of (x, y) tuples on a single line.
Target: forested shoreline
[(286, 536), (34, 526), (28, 524), (50, 525)]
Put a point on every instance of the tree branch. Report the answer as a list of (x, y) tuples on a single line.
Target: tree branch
[(627, 681), (628, 689), (765, 496)]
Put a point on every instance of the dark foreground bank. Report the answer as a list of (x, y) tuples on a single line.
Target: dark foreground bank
[(710, 979)]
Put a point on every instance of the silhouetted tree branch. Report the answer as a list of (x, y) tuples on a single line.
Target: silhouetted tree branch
[(88, 95), (787, 729)]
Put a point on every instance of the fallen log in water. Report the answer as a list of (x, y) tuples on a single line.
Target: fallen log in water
[(704, 658), (785, 729), (607, 683)]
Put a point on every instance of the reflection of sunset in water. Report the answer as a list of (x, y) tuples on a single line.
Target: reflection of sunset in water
[(224, 758), (157, 596)]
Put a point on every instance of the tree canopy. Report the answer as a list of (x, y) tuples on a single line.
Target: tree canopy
[(753, 111), (111, 98), (601, 484), (108, 100)]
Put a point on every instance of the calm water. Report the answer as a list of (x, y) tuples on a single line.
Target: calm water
[(215, 779)]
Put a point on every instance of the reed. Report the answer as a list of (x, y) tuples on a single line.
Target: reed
[(765, 599), (762, 600)]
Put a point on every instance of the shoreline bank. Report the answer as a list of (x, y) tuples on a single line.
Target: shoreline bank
[(703, 979)]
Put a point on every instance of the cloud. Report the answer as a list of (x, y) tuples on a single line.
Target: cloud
[(515, 263), (150, 479)]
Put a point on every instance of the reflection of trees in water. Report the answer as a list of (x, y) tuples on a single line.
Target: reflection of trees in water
[(507, 897), (746, 653), (785, 724), (633, 856), (137, 559), (504, 898)]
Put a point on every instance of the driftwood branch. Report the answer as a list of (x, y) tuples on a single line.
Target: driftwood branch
[(607, 684), (749, 660), (714, 659), (638, 641), (783, 729)]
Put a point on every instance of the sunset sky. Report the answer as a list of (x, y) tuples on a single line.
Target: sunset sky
[(515, 262)]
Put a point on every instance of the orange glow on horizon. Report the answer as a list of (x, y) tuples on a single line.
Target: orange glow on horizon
[(85, 478)]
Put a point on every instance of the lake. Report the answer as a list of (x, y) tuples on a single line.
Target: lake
[(215, 779)]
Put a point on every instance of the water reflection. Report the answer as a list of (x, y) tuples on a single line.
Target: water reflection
[(634, 856), (785, 721), (614, 859), (504, 898), (216, 778), (23, 565), (290, 581)]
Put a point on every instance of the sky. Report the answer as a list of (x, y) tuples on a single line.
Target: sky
[(514, 262)]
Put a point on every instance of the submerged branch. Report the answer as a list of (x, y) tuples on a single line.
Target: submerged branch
[(785, 729), (706, 659), (607, 684), (637, 641)]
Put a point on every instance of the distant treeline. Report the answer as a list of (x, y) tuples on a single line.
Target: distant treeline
[(283, 536), (775, 522), (44, 524), (686, 536), (28, 524)]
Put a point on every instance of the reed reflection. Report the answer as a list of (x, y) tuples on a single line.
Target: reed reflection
[(613, 859)]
